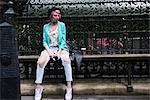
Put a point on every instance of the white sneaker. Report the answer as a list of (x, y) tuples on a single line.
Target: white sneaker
[(68, 95), (38, 93)]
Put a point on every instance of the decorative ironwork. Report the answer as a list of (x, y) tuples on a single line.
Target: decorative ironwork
[(89, 7), (96, 34), (89, 25), (94, 69)]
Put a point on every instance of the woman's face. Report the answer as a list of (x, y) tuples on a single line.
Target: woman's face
[(55, 16)]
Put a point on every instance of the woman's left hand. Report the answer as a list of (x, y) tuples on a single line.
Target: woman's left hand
[(57, 54)]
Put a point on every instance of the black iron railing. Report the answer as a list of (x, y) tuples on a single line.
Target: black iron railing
[(98, 35)]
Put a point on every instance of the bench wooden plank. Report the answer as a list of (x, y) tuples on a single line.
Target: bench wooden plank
[(100, 57), (29, 57), (116, 57)]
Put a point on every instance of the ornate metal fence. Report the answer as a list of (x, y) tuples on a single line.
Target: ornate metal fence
[(99, 35), (105, 27)]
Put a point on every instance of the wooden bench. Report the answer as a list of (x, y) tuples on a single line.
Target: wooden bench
[(103, 57), (119, 57)]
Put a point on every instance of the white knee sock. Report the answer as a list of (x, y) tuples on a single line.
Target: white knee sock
[(68, 71), (39, 74)]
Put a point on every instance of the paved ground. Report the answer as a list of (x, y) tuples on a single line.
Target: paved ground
[(89, 86), (93, 97)]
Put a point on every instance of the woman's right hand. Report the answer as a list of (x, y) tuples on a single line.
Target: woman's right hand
[(50, 53)]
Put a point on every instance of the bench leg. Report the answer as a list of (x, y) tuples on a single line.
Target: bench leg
[(27, 71), (129, 86)]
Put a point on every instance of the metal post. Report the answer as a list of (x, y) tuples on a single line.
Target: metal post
[(129, 86), (9, 70)]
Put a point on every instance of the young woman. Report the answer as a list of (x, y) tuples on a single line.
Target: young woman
[(54, 42)]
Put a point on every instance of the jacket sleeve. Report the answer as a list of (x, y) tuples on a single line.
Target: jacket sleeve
[(63, 42), (44, 37)]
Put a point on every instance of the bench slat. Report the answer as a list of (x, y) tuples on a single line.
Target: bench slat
[(100, 57)]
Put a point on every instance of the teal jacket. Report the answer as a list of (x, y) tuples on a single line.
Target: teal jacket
[(61, 35)]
